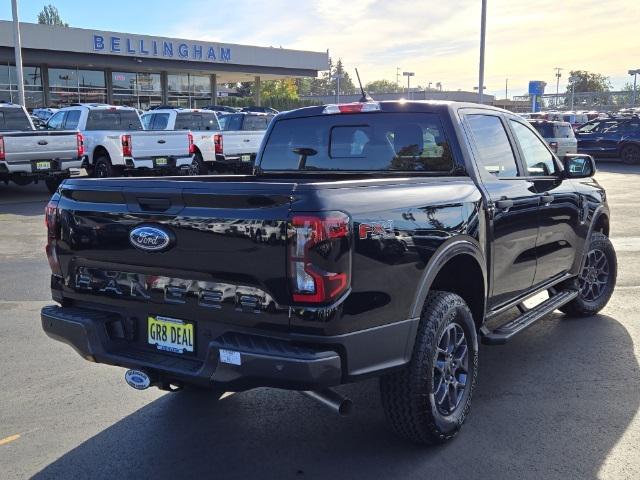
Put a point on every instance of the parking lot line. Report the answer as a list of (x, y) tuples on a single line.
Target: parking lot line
[(9, 439)]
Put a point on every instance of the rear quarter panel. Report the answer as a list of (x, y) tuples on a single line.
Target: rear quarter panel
[(397, 230)]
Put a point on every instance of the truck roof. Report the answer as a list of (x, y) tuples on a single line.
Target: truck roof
[(97, 106), (5, 104), (180, 110), (397, 106)]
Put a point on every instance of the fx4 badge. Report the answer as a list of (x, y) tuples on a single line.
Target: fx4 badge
[(376, 230)]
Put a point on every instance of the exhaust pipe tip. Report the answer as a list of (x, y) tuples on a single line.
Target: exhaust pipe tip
[(331, 399)]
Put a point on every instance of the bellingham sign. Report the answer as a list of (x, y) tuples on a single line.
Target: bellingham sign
[(160, 48)]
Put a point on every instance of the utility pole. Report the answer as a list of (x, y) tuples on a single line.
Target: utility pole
[(17, 43), (558, 75), (506, 89), (635, 74), (398, 76), (483, 32), (337, 77)]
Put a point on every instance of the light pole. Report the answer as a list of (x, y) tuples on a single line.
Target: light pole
[(337, 77), (483, 31), (408, 75), (558, 75), (635, 74), (398, 69), (572, 81), (17, 43)]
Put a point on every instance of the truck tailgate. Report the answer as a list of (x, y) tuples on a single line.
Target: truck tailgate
[(26, 146), (227, 250), (158, 143)]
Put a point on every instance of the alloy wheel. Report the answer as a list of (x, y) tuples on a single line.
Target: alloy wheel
[(451, 369), (594, 277)]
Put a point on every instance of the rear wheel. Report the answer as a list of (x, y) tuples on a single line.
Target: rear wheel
[(630, 154), (428, 400), (198, 166), (53, 183), (103, 168), (596, 281)]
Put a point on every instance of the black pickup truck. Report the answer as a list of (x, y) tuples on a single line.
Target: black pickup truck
[(373, 239)]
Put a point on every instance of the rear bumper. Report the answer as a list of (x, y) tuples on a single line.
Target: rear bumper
[(172, 163), (299, 362), (28, 168)]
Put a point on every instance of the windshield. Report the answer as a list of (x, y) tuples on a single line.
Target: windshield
[(359, 142)]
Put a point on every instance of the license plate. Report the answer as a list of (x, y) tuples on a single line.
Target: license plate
[(245, 158), (43, 165), (170, 334), (161, 161)]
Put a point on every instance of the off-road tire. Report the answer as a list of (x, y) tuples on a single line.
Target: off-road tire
[(102, 168), (53, 183), (581, 306), (630, 154), (408, 396)]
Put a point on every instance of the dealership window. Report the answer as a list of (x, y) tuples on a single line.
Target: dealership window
[(141, 90), (32, 85), (71, 85), (189, 91)]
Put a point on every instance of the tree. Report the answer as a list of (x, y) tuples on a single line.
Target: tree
[(382, 86), (346, 84), (281, 89), (584, 81), (50, 16)]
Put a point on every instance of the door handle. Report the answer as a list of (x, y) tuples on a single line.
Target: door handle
[(246, 140), (43, 142), (505, 204), (162, 141), (546, 199)]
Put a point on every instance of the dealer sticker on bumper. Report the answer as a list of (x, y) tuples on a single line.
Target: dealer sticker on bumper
[(170, 334), (231, 357)]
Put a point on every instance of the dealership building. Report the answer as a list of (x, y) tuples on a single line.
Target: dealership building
[(64, 65)]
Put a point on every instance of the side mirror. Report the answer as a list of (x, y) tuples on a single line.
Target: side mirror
[(579, 165)]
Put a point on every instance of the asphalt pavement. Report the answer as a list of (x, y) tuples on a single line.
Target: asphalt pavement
[(559, 401)]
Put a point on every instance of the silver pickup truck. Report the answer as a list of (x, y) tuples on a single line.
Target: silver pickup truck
[(116, 144), (242, 134), (28, 155)]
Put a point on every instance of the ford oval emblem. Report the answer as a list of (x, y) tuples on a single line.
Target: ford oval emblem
[(137, 379), (150, 238)]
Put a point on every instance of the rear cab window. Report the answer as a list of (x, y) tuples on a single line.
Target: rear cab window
[(256, 122), (113, 120), (13, 119), (359, 142), (197, 121)]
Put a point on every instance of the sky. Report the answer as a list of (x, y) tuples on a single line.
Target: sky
[(438, 40)]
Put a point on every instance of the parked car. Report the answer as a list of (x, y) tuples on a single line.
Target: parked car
[(221, 108), (203, 125), (242, 134), (256, 109), (116, 143), (28, 155), (575, 119), (611, 138), (377, 257), (44, 113), (559, 136)]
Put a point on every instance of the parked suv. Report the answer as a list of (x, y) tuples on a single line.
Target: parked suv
[(611, 138), (559, 136), (392, 238)]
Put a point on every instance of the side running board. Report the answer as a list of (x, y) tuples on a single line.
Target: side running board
[(503, 333)]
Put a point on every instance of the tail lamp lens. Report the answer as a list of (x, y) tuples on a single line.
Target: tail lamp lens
[(80, 140), (51, 219), (554, 146), (126, 145), (217, 141), (2, 154), (319, 257), (192, 147)]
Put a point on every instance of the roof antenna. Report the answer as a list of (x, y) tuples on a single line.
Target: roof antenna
[(365, 96)]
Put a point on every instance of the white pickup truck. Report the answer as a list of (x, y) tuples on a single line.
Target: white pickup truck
[(204, 128), (242, 134), (116, 144), (28, 155)]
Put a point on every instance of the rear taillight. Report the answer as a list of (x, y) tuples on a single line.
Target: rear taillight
[(319, 256), (51, 219), (217, 142), (80, 140), (554, 146), (192, 147), (2, 154), (126, 145)]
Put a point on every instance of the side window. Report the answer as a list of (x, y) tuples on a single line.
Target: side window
[(147, 121), (55, 122), (72, 120), (538, 159), (494, 149), (161, 120), (256, 122)]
